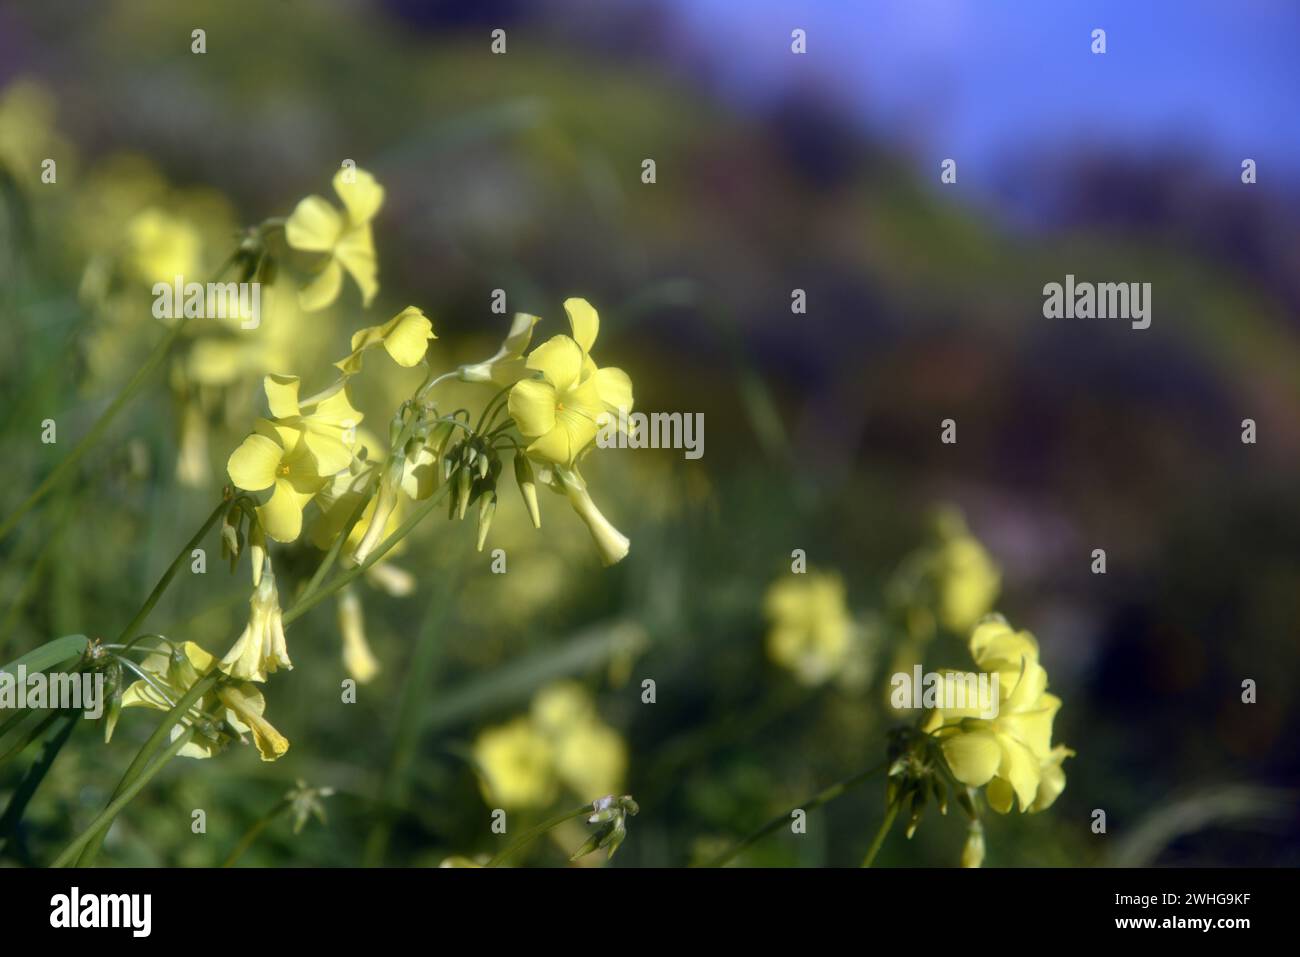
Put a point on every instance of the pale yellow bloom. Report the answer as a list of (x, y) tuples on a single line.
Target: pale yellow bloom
[(277, 458), (405, 337), (261, 648), (591, 759), (345, 238), (968, 578), (1011, 753), (161, 246), (240, 704), (811, 630), (515, 762), (611, 544), (506, 367), (358, 659), (327, 420)]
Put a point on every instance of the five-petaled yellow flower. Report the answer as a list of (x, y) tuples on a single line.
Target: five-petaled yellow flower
[(276, 457), (316, 226), (261, 647), (561, 409), (327, 420)]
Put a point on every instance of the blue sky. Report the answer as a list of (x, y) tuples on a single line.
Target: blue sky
[(982, 80)]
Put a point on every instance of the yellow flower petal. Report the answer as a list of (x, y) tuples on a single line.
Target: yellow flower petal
[(532, 406), (408, 338), (281, 516), (973, 757), (323, 289), (1021, 769), (560, 360), (356, 251), (253, 466), (362, 197), (282, 395), (314, 225), (615, 389), (584, 322)]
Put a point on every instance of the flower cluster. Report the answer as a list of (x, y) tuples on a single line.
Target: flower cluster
[(1011, 753), (561, 741)]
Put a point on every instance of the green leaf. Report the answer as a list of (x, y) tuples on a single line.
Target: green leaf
[(50, 654)]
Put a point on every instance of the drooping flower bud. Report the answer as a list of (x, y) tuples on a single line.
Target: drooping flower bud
[(527, 483)]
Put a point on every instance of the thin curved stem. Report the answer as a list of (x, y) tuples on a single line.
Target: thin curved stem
[(95, 839), (306, 603), (822, 797), (890, 814), (534, 833)]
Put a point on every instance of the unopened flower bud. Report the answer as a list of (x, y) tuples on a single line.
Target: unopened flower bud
[(527, 483), (487, 507)]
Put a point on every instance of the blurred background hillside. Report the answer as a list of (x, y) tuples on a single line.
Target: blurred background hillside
[(774, 172)]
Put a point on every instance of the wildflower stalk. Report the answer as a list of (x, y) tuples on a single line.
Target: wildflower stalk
[(822, 797), (890, 814), (100, 825), (93, 837), (260, 825), (182, 557), (101, 425), (536, 832), (307, 602)]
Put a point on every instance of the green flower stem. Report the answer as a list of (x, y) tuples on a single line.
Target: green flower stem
[(307, 602), (822, 797), (181, 558), (252, 834), (879, 839), (94, 836), (536, 832), (100, 825), (35, 775), (332, 555), (97, 430)]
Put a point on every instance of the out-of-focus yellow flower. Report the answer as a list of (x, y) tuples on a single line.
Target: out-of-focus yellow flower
[(561, 706), (972, 853), (516, 765), (1012, 752), (968, 578), (811, 629), (591, 759), (405, 337), (276, 457), (327, 420), (261, 648), (161, 246), (27, 136), (358, 659), (241, 705), (316, 226), (507, 366)]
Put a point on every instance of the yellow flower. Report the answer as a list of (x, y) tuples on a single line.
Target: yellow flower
[(1011, 752), (327, 420), (358, 659), (515, 763), (276, 457), (241, 705), (316, 226), (591, 759), (261, 647), (811, 628), (562, 410), (405, 337), (161, 246), (611, 544), (507, 366), (557, 411), (968, 578)]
